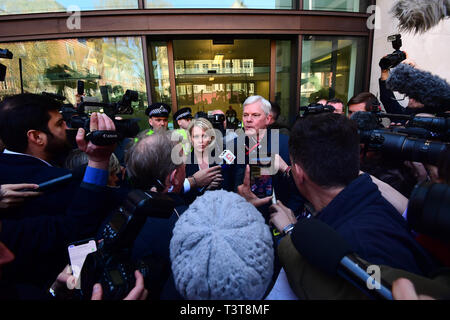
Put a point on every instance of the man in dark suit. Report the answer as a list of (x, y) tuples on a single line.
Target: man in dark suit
[(38, 232), (257, 141)]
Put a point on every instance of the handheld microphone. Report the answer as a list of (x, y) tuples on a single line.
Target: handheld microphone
[(227, 156), (325, 249), (431, 90)]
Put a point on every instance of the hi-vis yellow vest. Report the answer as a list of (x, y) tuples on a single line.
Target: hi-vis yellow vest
[(185, 143)]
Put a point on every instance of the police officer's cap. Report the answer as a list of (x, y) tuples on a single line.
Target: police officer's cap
[(158, 110), (183, 113)]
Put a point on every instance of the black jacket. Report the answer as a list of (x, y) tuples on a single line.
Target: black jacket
[(391, 104), (39, 231), (374, 228)]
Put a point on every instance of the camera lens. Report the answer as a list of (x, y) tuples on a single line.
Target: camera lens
[(429, 210)]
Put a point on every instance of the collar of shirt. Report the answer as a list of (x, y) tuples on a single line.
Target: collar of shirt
[(24, 154)]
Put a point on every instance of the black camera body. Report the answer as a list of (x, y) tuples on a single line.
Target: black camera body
[(128, 128), (217, 121), (315, 108), (111, 265), (394, 59)]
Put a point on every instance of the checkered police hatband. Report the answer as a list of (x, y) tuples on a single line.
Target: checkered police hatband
[(183, 115), (161, 110)]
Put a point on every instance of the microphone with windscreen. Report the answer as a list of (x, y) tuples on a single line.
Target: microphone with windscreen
[(325, 249)]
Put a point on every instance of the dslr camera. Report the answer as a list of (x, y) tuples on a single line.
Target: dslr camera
[(315, 108), (392, 60), (112, 265)]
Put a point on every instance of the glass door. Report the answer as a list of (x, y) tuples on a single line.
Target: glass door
[(220, 75)]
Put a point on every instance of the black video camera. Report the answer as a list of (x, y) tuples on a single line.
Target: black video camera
[(111, 265), (217, 121), (429, 210), (394, 59), (128, 128), (315, 108)]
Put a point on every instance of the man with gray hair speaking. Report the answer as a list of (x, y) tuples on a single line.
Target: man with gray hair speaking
[(257, 142)]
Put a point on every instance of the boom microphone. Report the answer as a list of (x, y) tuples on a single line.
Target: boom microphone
[(324, 248), (431, 90), (420, 15)]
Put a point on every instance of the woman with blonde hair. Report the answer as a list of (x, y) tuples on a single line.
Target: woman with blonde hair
[(201, 170)]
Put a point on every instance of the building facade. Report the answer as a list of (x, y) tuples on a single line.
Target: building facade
[(201, 54)]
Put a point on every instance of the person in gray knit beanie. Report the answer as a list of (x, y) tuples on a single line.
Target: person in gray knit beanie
[(221, 249)]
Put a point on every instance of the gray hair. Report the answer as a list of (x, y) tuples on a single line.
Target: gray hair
[(265, 105), (149, 160)]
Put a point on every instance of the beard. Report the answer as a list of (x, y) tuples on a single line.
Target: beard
[(57, 149)]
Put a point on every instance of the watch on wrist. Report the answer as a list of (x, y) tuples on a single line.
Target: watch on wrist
[(288, 229)]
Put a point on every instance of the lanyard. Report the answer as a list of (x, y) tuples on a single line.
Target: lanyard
[(253, 148)]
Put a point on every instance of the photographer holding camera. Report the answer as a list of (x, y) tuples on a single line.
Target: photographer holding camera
[(343, 199), (156, 166), (38, 231), (387, 97)]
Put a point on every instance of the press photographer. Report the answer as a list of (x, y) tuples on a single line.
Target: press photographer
[(125, 128), (427, 93), (345, 200), (395, 155), (38, 231), (141, 228)]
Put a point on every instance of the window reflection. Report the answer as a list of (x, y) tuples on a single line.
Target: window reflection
[(39, 6), (283, 80), (108, 66), (332, 67), (226, 4), (337, 5), (211, 75)]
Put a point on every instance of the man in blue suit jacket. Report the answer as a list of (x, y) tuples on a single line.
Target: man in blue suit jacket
[(38, 232), (256, 141)]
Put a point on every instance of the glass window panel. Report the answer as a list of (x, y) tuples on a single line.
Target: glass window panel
[(39, 6), (211, 76), (226, 4), (283, 79), (108, 65), (332, 67), (337, 5)]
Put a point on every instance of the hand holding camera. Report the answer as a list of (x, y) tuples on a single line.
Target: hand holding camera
[(98, 155)]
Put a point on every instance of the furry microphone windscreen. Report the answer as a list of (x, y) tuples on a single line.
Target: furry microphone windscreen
[(419, 16), (431, 90)]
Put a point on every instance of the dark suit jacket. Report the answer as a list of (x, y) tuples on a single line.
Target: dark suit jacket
[(39, 231), (285, 189)]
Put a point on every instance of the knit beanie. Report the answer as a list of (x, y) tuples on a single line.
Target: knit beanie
[(221, 249)]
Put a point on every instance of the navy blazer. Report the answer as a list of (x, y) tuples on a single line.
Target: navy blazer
[(285, 189), (375, 229), (39, 231)]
